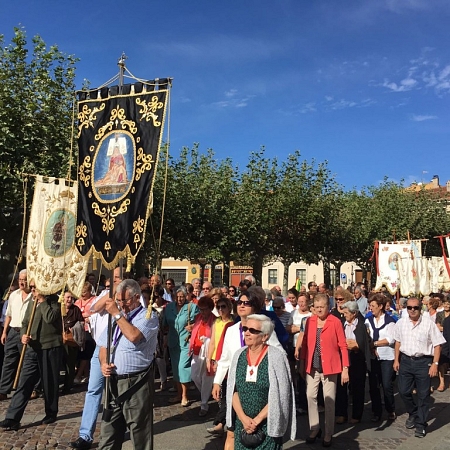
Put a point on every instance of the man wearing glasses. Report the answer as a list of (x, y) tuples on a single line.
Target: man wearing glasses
[(134, 339), (11, 338), (417, 350)]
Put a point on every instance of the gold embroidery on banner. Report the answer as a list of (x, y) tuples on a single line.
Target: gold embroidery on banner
[(84, 171), (81, 233), (87, 116), (143, 163), (138, 225), (117, 117), (149, 109), (109, 214), (107, 245)]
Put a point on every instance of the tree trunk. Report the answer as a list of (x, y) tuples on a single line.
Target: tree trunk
[(226, 271), (327, 274), (257, 268)]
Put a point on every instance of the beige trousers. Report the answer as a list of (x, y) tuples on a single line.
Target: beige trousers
[(329, 393)]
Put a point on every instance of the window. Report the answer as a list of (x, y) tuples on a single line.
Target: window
[(273, 276), (333, 277), (301, 275), (179, 275), (217, 276)]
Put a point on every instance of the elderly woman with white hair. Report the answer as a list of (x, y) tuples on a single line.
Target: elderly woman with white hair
[(260, 390), (359, 347)]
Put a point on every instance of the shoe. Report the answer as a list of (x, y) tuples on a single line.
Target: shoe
[(174, 400), (327, 443), (215, 431), (301, 411), (354, 421), (77, 381), (85, 380), (392, 416), (164, 386), (375, 418), (202, 412), (420, 433), (311, 439), (3, 397), (185, 403), (172, 389), (410, 422), (10, 425), (48, 419), (34, 395), (441, 389), (81, 444), (341, 419)]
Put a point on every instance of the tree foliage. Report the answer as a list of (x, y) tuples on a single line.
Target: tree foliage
[(36, 94)]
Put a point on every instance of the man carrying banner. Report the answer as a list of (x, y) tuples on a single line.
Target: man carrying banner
[(42, 358), (134, 339)]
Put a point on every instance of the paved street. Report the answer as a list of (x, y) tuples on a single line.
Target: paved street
[(181, 428)]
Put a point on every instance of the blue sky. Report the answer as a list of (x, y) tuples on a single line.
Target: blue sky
[(363, 84)]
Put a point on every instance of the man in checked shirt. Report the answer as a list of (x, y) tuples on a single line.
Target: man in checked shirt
[(417, 349), (134, 339)]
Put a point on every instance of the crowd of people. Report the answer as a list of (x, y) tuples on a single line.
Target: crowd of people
[(264, 357)]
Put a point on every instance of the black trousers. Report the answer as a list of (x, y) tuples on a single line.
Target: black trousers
[(13, 347), (40, 363)]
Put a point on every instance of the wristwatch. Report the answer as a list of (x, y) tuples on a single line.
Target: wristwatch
[(436, 362), (118, 316)]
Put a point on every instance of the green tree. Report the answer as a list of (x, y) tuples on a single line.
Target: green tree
[(36, 98)]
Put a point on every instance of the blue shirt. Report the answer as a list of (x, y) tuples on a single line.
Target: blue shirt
[(129, 357)]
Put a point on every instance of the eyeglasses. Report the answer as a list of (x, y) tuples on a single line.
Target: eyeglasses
[(338, 299), (107, 286), (169, 282), (415, 308), (244, 303), (125, 300), (221, 306), (251, 330), (206, 289), (32, 286)]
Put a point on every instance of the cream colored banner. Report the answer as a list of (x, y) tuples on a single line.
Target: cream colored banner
[(396, 257), (51, 260)]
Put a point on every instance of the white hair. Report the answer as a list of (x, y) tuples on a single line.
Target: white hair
[(267, 326)]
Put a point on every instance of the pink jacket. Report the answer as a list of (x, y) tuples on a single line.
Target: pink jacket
[(333, 345)]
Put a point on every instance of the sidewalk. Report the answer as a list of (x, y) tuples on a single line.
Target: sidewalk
[(177, 427)]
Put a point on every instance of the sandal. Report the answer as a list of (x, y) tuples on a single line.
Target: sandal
[(441, 389), (185, 403)]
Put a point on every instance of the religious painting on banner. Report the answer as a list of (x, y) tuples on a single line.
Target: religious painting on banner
[(52, 261), (396, 257), (119, 137)]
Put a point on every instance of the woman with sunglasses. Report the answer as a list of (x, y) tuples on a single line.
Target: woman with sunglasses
[(250, 302), (381, 329), (198, 349), (225, 319), (232, 293), (249, 389)]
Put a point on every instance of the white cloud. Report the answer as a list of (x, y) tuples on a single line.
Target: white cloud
[(233, 100), (422, 118), (308, 107), (405, 85), (342, 104)]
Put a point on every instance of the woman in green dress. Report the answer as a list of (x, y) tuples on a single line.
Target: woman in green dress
[(179, 317), (260, 405)]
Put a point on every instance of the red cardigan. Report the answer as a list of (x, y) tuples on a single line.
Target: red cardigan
[(332, 343)]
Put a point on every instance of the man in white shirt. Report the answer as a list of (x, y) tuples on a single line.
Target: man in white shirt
[(11, 338), (417, 350)]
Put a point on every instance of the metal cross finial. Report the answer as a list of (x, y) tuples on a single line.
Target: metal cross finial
[(122, 59)]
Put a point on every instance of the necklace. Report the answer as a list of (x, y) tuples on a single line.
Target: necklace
[(260, 357)]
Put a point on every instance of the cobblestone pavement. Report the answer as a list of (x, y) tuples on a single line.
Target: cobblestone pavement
[(181, 428)]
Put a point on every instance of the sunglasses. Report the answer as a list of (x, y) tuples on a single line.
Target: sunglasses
[(251, 330), (338, 299), (221, 306), (415, 308), (107, 286), (245, 303), (32, 286)]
